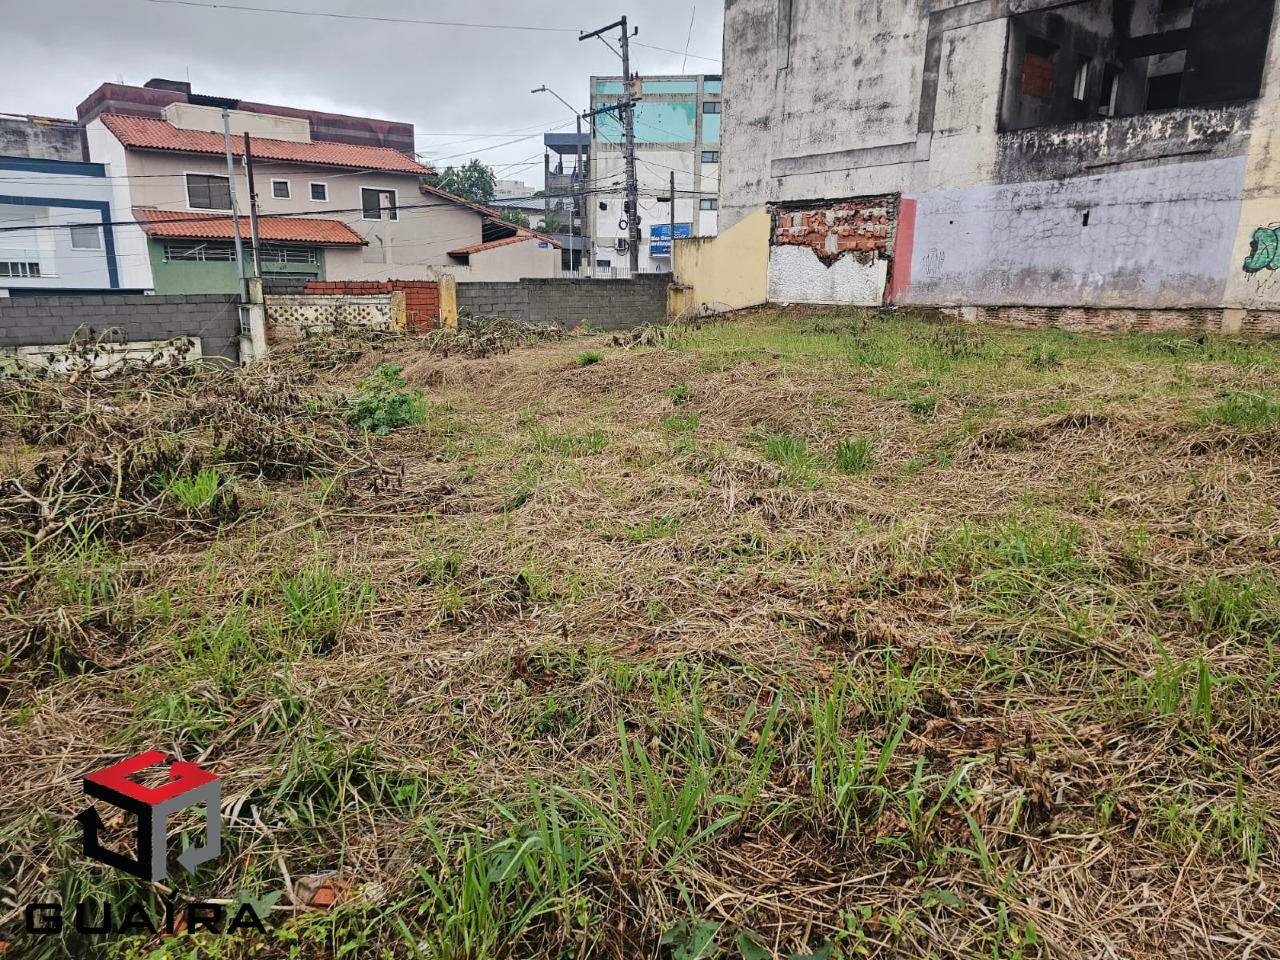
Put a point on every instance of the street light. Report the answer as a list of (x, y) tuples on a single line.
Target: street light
[(577, 170)]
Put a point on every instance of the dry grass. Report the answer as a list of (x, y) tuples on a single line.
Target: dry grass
[(785, 635)]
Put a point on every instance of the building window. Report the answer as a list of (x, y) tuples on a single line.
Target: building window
[(280, 189), (19, 268), (604, 264), (376, 203), (275, 254), (711, 106), (202, 251), (86, 238), (205, 192), (710, 156), (1080, 88), (708, 203), (319, 191), (1146, 55)]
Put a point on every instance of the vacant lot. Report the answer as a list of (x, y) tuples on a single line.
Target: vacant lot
[(840, 635)]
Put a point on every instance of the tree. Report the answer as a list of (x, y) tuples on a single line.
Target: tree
[(552, 223), (511, 215), (474, 181)]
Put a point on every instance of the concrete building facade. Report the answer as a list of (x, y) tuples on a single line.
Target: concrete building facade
[(1088, 155), (677, 129), (56, 227)]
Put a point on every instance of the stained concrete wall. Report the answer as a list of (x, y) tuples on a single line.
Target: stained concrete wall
[(904, 98), (39, 138)]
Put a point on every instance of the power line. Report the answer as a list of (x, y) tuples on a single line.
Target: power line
[(366, 17)]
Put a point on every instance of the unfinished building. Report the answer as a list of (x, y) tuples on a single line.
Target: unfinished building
[(1109, 163)]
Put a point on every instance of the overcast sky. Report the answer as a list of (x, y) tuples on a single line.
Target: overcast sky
[(449, 82)]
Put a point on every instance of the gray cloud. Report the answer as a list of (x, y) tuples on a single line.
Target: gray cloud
[(446, 80)]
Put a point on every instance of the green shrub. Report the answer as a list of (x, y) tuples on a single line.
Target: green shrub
[(384, 403), (589, 357)]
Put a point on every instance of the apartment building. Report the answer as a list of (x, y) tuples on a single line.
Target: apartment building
[(677, 130)]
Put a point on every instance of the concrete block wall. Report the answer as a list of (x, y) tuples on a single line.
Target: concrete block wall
[(568, 303), (52, 321)]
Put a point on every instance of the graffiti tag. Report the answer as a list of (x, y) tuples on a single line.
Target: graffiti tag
[(1264, 249)]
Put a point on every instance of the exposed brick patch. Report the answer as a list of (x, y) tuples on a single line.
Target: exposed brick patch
[(421, 297), (1037, 76), (864, 226)]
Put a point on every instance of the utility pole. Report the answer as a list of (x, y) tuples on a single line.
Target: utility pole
[(579, 197), (231, 188), (673, 222), (253, 206), (626, 105)]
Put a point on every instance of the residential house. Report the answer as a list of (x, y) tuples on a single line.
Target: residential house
[(677, 130), (342, 207), (56, 213), (1098, 163)]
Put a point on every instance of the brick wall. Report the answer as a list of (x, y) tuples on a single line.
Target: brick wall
[(50, 321), (421, 297), (1113, 320), (567, 303), (864, 225)]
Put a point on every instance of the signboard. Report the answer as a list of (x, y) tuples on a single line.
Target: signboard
[(660, 237)]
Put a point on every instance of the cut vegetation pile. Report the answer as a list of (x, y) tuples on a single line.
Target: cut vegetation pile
[(836, 636)]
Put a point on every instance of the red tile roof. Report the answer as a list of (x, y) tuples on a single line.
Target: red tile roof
[(205, 226), (144, 133), (492, 244)]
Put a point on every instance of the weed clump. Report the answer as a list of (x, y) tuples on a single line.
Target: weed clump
[(855, 456), (384, 403), (1241, 409)]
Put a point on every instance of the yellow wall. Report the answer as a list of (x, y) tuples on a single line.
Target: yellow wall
[(721, 273)]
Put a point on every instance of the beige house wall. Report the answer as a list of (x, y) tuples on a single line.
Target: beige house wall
[(414, 247), (514, 261)]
